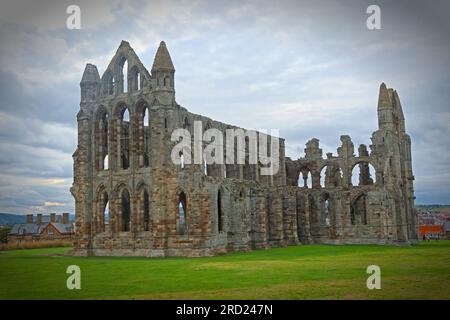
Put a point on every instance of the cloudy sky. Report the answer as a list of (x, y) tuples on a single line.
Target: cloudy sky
[(308, 68)]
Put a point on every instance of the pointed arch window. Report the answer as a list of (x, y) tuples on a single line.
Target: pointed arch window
[(105, 211), (358, 211), (363, 174), (146, 132), (205, 167), (101, 142), (146, 204), (181, 159), (125, 139), (181, 207), (326, 209), (305, 178), (220, 221), (125, 210), (108, 83), (106, 163), (106, 214), (112, 86), (138, 81), (135, 79), (122, 74), (125, 76), (331, 176), (102, 215)]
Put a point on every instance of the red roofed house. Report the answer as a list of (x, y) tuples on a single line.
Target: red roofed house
[(52, 227)]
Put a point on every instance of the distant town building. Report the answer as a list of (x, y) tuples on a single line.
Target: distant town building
[(43, 227), (432, 225), (432, 232)]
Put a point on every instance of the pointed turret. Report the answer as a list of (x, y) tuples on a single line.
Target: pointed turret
[(385, 108), (163, 71), (162, 59), (384, 101), (90, 73), (90, 83)]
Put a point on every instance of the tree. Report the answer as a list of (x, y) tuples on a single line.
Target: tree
[(4, 234)]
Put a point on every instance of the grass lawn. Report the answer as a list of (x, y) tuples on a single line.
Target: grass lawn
[(302, 272)]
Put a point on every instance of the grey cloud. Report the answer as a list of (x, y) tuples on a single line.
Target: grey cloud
[(311, 69)]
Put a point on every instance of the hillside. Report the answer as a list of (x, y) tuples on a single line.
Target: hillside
[(10, 219)]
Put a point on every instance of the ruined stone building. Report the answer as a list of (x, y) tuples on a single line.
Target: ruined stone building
[(132, 199)]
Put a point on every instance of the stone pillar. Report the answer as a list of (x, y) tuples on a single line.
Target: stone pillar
[(315, 176), (277, 219), (82, 188), (337, 220), (117, 144), (307, 222), (261, 239), (139, 212), (289, 218)]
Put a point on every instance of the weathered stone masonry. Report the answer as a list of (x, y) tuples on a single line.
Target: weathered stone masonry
[(122, 165)]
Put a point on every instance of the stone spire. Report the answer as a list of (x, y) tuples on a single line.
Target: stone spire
[(90, 74), (384, 100), (90, 83), (162, 59), (385, 108), (163, 72)]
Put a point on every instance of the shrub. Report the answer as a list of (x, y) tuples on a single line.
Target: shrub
[(35, 244), (4, 234)]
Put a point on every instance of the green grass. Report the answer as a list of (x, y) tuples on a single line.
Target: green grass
[(302, 272)]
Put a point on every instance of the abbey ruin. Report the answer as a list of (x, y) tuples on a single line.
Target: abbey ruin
[(132, 199)]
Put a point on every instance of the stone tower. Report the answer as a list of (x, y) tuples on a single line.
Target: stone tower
[(391, 145), (131, 198)]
